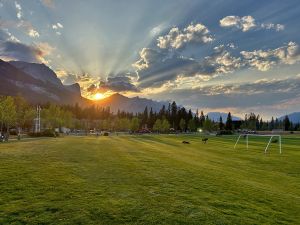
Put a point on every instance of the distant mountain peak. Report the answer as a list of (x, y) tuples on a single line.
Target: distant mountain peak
[(37, 83), (215, 116), (293, 117), (38, 71), (120, 102)]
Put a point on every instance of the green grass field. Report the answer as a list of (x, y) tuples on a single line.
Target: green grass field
[(149, 180)]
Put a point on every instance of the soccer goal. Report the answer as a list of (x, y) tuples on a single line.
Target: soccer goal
[(246, 136)]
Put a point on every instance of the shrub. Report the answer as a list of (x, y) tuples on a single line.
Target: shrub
[(45, 133), (225, 132)]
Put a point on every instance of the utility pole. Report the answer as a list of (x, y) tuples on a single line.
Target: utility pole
[(38, 120)]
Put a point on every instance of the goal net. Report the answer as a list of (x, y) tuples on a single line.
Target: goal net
[(246, 136)]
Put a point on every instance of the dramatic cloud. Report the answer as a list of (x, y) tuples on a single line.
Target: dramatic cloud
[(119, 84), (5, 35), (10, 50), (244, 23), (20, 24), (222, 61), (154, 68), (265, 60), (177, 38), (148, 57), (247, 23), (241, 98)]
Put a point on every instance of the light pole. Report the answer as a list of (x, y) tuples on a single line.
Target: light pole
[(38, 120)]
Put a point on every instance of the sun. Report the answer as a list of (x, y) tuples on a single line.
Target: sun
[(98, 96)]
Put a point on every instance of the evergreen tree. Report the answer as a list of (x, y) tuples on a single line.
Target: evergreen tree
[(286, 123), (174, 115), (145, 117), (221, 124), (228, 125), (272, 124), (201, 119)]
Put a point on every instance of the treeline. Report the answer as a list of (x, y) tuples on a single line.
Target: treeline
[(18, 114)]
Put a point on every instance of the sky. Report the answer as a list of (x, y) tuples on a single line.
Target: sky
[(217, 56)]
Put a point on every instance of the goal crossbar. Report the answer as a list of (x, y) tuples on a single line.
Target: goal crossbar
[(257, 135)]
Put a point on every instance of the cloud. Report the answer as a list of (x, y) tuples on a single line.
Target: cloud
[(222, 61), (10, 50), (178, 39), (263, 95), (19, 10), (158, 29), (265, 60), (148, 57), (272, 26), (5, 35), (20, 25), (33, 33), (244, 23), (57, 26), (247, 23), (155, 67), (119, 84)]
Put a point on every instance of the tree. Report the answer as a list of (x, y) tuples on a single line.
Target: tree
[(286, 123), (145, 117), (272, 124), (165, 125), (228, 125), (201, 119), (192, 125), (221, 124), (157, 125), (134, 124), (174, 115), (8, 114), (182, 125), (208, 125)]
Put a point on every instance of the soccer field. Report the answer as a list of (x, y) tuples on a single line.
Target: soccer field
[(149, 179)]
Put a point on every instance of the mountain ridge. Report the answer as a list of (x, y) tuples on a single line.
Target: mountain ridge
[(37, 87), (293, 117), (133, 105)]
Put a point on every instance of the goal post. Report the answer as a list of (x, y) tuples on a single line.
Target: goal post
[(246, 136)]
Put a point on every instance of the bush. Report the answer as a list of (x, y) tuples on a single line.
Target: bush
[(225, 132), (45, 133)]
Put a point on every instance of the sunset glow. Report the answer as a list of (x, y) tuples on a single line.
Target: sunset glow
[(98, 96)]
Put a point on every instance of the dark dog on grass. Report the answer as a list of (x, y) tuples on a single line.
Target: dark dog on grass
[(185, 142), (204, 140)]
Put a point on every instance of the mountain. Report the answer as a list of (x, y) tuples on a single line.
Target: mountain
[(37, 83), (119, 102), (38, 71), (294, 117), (215, 116)]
